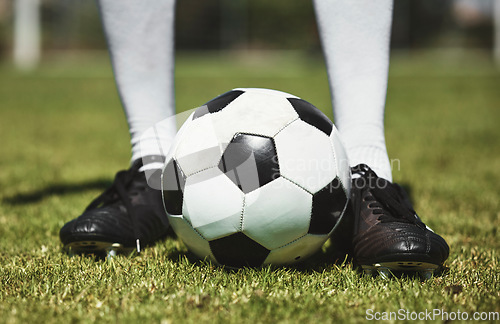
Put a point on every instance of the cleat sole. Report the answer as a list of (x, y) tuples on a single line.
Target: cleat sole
[(386, 270), (97, 247)]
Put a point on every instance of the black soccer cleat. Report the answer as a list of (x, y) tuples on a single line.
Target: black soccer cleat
[(126, 216), (389, 237)]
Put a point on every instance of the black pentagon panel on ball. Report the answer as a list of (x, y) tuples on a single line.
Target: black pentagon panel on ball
[(173, 187), (312, 115), (328, 204), (238, 250), (218, 103), (250, 161)]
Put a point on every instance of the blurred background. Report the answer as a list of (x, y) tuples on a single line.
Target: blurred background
[(32, 31)]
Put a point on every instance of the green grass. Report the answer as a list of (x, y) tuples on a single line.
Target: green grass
[(64, 136)]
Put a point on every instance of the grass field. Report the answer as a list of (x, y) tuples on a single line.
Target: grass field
[(64, 136)]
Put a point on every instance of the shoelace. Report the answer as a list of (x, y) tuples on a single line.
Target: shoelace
[(388, 200), (118, 192)]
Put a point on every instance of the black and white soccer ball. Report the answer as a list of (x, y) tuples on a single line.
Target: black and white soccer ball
[(254, 177)]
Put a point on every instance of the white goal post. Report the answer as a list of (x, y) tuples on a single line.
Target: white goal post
[(27, 29), (496, 32)]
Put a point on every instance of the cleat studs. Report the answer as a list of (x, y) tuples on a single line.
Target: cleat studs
[(368, 271), (110, 253), (384, 273), (113, 250), (427, 274)]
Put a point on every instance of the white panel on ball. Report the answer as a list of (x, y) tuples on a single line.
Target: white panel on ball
[(194, 242), (296, 251), (253, 112), (212, 203), (221, 228), (277, 213), (344, 170), (199, 147), (306, 156)]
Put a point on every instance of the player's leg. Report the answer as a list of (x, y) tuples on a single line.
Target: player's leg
[(355, 38), (140, 39), (355, 35), (141, 43)]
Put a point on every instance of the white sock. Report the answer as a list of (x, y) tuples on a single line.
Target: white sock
[(355, 36), (140, 37)]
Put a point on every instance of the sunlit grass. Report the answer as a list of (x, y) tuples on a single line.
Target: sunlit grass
[(64, 136)]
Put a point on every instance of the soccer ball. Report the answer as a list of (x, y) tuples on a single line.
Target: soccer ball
[(255, 177)]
